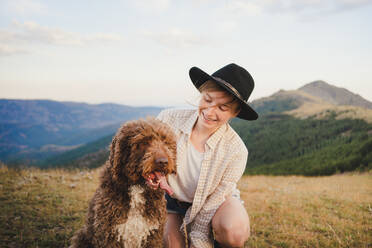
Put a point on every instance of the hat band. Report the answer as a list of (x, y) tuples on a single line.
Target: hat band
[(228, 86)]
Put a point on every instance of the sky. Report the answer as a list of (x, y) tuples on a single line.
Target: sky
[(139, 52)]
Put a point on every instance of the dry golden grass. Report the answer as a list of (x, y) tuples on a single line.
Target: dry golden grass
[(43, 208), (321, 109), (295, 211)]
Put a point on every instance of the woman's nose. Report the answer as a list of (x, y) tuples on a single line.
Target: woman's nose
[(211, 109)]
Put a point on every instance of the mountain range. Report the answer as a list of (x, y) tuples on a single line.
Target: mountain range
[(298, 132), (34, 129)]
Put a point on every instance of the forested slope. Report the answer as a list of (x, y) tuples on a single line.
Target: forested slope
[(282, 144)]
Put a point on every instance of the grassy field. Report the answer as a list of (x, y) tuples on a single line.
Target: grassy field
[(43, 208), (293, 211)]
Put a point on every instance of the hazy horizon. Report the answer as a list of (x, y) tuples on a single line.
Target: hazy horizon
[(186, 104)]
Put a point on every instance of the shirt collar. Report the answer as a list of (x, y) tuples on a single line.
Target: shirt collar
[(216, 136), (187, 126)]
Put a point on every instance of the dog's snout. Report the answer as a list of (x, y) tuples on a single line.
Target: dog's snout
[(162, 161)]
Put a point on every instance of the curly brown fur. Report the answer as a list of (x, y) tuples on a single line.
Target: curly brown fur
[(124, 211)]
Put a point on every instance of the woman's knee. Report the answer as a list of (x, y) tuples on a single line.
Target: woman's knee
[(232, 234), (238, 236), (231, 223)]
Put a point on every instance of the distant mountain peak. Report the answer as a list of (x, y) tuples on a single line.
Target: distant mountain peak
[(334, 95), (319, 84)]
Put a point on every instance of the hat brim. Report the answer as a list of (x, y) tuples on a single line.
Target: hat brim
[(199, 77)]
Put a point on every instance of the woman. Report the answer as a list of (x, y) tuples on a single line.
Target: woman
[(211, 158)]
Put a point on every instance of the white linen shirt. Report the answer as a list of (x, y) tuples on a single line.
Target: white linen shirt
[(223, 165)]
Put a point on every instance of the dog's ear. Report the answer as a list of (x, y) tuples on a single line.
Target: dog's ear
[(112, 150), (139, 143), (119, 151)]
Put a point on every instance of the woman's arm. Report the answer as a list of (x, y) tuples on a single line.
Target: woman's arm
[(201, 225)]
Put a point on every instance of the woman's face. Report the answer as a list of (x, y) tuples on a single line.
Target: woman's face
[(215, 109)]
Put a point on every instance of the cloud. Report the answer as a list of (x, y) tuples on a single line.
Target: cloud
[(298, 7), (321, 6), (350, 4), (24, 7), (151, 5), (7, 50), (103, 37), (176, 38), (244, 7), (227, 25), (23, 35), (33, 32)]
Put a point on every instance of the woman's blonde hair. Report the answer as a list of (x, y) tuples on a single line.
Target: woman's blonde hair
[(210, 86)]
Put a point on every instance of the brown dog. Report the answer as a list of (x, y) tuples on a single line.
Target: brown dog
[(128, 208)]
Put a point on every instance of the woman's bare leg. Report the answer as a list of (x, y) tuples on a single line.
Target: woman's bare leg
[(173, 238), (231, 223)]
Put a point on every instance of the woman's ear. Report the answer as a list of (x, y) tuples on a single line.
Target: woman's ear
[(236, 112)]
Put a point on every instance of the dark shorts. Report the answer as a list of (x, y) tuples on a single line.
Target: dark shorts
[(175, 206)]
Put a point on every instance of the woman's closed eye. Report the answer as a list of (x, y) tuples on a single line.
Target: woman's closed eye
[(224, 107), (207, 100)]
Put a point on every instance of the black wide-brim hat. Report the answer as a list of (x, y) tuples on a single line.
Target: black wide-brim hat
[(235, 79)]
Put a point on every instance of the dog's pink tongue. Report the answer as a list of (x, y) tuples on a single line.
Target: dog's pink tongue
[(163, 183)]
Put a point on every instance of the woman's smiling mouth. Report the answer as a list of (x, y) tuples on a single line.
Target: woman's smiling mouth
[(207, 119)]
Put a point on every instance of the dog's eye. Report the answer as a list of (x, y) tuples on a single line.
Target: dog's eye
[(141, 145)]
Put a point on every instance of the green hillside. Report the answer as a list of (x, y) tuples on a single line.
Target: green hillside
[(278, 102), (90, 155), (280, 145)]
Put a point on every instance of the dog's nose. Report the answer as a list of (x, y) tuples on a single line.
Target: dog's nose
[(162, 161)]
